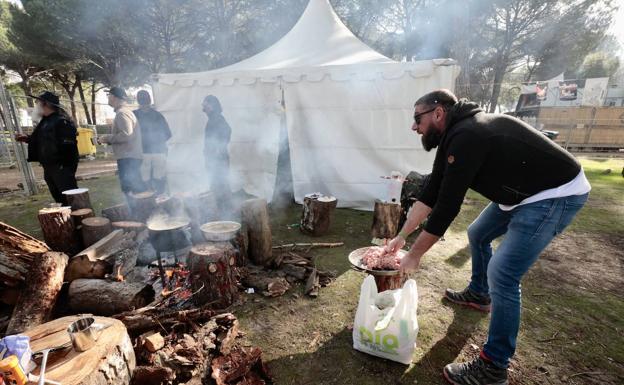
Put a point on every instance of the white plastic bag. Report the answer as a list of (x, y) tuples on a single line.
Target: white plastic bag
[(389, 332)]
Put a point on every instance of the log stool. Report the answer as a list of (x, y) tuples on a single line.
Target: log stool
[(212, 266), (117, 213), (142, 205), (58, 230), (386, 219), (94, 229), (78, 198), (255, 218), (317, 214)]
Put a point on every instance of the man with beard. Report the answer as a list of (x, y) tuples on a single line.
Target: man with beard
[(53, 144), (536, 189)]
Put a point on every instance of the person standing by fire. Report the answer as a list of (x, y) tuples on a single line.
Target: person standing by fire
[(53, 144), (216, 140), (125, 138), (536, 189), (155, 133)]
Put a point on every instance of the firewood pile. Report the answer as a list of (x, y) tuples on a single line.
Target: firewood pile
[(177, 313)]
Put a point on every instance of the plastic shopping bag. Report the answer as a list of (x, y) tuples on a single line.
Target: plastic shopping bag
[(385, 323)]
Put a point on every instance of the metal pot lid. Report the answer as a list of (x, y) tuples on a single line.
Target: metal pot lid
[(355, 258)]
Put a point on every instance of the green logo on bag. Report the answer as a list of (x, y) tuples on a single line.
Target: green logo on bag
[(387, 343)]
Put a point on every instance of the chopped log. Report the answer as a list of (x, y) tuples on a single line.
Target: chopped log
[(240, 243), (125, 262), (313, 285), (142, 205), (212, 272), (110, 361), (78, 198), (386, 219), (117, 213), (98, 259), (36, 301), (152, 375), (255, 218), (128, 226), (389, 282), (102, 297), (94, 229), (154, 342), (309, 245), (317, 214), (17, 251), (238, 365), (58, 230), (79, 215), (20, 241), (148, 318)]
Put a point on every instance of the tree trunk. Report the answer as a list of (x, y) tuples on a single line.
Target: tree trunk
[(17, 252), (58, 230), (78, 198), (142, 205), (317, 215), (386, 218), (83, 101), (212, 266), (117, 213), (110, 361), (101, 297), (94, 229), (93, 112), (36, 301), (255, 218)]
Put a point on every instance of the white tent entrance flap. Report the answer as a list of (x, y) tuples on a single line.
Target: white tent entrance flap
[(348, 113)]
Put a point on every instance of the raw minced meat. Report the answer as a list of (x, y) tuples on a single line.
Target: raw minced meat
[(376, 258)]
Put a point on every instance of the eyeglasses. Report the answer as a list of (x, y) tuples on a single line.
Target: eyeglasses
[(417, 116)]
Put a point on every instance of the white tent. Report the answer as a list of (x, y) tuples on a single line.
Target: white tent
[(348, 110)]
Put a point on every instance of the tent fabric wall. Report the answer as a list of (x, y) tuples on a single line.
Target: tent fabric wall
[(348, 113), (253, 112), (345, 134)]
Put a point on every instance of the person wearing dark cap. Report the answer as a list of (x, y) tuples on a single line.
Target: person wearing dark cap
[(125, 138), (53, 144), (216, 140), (155, 133)]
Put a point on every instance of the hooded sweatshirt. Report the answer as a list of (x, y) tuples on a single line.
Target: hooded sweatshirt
[(498, 156)]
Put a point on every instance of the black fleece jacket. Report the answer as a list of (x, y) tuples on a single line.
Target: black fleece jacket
[(499, 156)]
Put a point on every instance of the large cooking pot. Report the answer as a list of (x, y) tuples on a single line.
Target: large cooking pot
[(169, 234)]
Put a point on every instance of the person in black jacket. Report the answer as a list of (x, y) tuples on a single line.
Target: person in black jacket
[(53, 144), (536, 189), (216, 140), (155, 133)]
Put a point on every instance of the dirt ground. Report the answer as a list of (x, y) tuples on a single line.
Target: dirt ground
[(573, 302), (10, 177)]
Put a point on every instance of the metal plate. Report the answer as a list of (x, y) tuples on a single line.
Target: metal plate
[(355, 258)]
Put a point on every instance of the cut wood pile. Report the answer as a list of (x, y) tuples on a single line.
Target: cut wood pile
[(176, 310)]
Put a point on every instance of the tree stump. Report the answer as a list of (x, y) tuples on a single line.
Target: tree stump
[(389, 282), (128, 226), (240, 243), (317, 214), (78, 198), (94, 229), (255, 218), (212, 266), (386, 219), (110, 361), (58, 230), (142, 205), (79, 215), (101, 297), (36, 301), (117, 213)]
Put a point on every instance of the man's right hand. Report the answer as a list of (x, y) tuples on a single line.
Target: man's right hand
[(21, 138), (395, 244)]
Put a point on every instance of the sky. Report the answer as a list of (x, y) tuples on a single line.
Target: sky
[(617, 28)]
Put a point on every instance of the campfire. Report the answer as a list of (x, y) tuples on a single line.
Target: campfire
[(171, 309)]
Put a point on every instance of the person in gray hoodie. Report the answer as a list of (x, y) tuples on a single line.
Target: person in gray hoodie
[(125, 138)]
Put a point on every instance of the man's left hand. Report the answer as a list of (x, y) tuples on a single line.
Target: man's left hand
[(410, 262)]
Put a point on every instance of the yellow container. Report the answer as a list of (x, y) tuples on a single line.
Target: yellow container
[(11, 371), (86, 141)]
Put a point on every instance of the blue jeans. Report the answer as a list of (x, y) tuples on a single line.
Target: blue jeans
[(528, 229)]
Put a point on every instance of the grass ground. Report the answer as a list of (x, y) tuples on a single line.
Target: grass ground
[(573, 303)]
